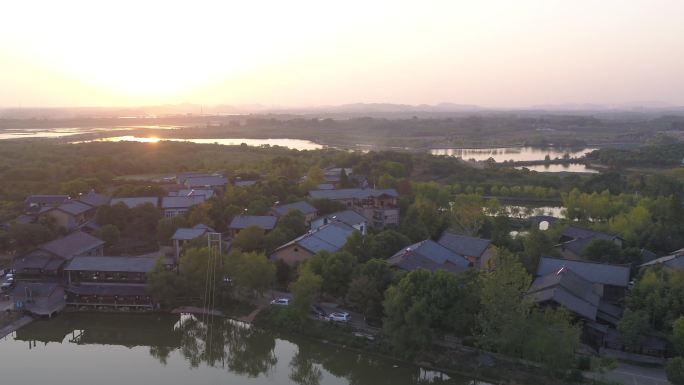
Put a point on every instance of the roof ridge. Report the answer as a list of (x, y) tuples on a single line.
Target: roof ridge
[(587, 261)]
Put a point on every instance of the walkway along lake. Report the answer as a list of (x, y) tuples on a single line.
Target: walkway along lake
[(115, 349)]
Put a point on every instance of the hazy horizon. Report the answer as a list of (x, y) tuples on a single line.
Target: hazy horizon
[(307, 54)]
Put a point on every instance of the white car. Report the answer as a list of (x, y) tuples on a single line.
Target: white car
[(5, 286), (281, 302), (9, 276), (339, 317)]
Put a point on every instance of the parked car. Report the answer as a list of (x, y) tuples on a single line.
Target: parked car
[(5, 286), (318, 311), (339, 317), (281, 302), (9, 276)]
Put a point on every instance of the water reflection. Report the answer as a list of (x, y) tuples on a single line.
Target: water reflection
[(517, 154), (170, 350), (58, 132), (572, 167), (296, 144)]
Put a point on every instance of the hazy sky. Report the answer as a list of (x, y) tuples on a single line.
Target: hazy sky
[(319, 52)]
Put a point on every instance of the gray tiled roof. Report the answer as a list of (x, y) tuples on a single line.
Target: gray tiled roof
[(567, 289), (577, 246), (185, 234), (181, 202), (648, 255), (180, 178), (331, 237), (94, 199), (204, 181), (265, 222), (603, 273), (38, 260), (576, 232), (463, 244), (674, 261), (352, 193), (46, 199), (245, 183), (429, 255), (303, 207), (208, 193), (135, 201), (349, 217), (37, 289), (74, 207), (581, 238), (112, 264), (73, 244)]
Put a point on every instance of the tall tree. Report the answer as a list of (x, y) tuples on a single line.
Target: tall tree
[(305, 290), (367, 288), (407, 316), (467, 214), (504, 309), (250, 238), (252, 273)]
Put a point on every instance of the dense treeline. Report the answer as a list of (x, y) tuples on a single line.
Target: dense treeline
[(665, 154)]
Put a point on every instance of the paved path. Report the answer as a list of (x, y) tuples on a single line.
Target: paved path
[(628, 374), (249, 318)]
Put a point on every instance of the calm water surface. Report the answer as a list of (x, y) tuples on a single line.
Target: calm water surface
[(117, 349), (296, 144), (575, 167), (59, 132), (517, 154)]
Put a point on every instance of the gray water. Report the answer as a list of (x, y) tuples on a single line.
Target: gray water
[(121, 349)]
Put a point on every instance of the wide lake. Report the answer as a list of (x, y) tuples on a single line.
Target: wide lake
[(516, 154), (59, 132), (116, 349), (296, 144)]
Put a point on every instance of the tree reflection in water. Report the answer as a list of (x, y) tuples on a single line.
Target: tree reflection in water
[(304, 371), (240, 348), (231, 346)]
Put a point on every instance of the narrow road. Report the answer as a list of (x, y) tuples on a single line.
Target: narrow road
[(629, 374)]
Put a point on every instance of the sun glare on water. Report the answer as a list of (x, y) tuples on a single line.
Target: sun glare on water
[(130, 138)]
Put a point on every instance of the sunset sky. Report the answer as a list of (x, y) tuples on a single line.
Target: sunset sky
[(302, 53)]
